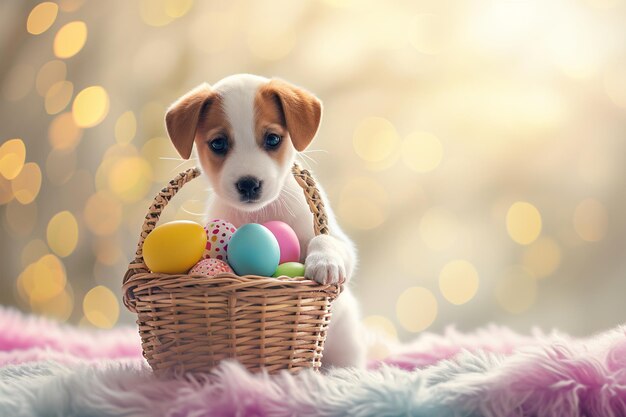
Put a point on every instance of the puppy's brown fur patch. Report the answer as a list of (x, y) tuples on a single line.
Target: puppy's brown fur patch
[(213, 123), (268, 118), (300, 112)]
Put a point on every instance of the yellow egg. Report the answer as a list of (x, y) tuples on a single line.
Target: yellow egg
[(173, 248)]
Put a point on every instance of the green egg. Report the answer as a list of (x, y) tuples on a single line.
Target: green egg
[(290, 269)]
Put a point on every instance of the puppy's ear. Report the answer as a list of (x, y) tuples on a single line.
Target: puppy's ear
[(182, 118), (302, 111)]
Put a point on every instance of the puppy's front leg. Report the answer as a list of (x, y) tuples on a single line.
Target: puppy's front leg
[(329, 260)]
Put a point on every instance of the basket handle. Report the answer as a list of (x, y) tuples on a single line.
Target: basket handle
[(137, 266)]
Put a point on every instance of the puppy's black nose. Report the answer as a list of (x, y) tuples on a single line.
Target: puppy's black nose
[(249, 188)]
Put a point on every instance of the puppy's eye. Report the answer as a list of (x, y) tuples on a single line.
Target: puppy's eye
[(219, 145), (272, 141)]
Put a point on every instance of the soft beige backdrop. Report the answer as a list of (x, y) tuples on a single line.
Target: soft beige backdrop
[(475, 151)]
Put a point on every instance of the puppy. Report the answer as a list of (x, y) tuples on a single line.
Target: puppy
[(248, 131)]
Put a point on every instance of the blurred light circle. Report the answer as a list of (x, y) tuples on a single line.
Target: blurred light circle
[(58, 97), (6, 193), (70, 39), (425, 33), (62, 233), (375, 139), (177, 8), (90, 106), (103, 214), (60, 166), (438, 228), (27, 184), (162, 157), (42, 279), (12, 157), (590, 220), (130, 179), (458, 281), (70, 6), (416, 309), (154, 12), (21, 219), (516, 290), (381, 325), (542, 257), (101, 307), (41, 17), (18, 82), (422, 151), (58, 307), (125, 127), (63, 133), (33, 250), (523, 222), (49, 74), (362, 203)]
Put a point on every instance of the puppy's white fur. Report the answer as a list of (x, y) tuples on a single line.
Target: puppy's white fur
[(328, 258)]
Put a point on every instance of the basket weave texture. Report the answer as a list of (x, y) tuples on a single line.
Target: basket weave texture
[(189, 323)]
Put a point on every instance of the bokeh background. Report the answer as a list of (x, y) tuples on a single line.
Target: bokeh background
[(474, 150)]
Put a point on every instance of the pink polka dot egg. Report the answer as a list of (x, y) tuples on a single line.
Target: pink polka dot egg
[(218, 233), (210, 267)]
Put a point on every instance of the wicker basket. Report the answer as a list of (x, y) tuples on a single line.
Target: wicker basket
[(189, 323)]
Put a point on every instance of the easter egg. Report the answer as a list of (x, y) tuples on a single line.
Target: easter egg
[(289, 269), (287, 240), (253, 250), (218, 233), (210, 267), (174, 247)]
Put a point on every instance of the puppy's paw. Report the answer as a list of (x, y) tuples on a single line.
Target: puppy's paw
[(325, 268)]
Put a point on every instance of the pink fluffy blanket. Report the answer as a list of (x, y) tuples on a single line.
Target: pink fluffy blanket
[(47, 369)]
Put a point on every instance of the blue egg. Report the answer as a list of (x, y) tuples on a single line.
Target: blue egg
[(253, 250)]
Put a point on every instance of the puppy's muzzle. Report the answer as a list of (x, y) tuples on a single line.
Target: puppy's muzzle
[(249, 188)]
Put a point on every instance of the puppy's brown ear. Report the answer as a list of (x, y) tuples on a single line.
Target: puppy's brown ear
[(183, 116), (301, 110)]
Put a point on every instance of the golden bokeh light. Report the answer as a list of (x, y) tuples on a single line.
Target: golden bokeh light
[(62, 233), (542, 257), (42, 280), (21, 219), (130, 179), (425, 33), (60, 166), (362, 203), (70, 6), (58, 97), (458, 281), (58, 307), (70, 39), (422, 151), (27, 184), (375, 139), (32, 251), (6, 193), (591, 220), (90, 106), (101, 307), (49, 74), (63, 133), (177, 8), (162, 157), (41, 17), (516, 290), (162, 12), (416, 309), (438, 228), (125, 128), (381, 325), (523, 222), (12, 157), (103, 213)]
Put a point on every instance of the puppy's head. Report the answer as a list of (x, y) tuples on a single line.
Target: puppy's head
[(247, 130)]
